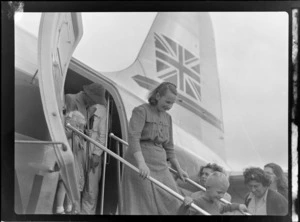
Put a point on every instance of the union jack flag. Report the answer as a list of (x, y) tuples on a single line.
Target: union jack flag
[(177, 65)]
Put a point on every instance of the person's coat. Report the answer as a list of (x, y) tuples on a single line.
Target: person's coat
[(276, 203)]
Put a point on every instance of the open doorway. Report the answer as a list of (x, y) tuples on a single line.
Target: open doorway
[(110, 179)]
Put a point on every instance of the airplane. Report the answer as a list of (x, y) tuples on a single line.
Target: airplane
[(179, 48)]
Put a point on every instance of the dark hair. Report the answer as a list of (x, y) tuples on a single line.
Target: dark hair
[(161, 90), (281, 182), (257, 174), (214, 167)]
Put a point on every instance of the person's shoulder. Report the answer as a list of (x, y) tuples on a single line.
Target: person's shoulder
[(278, 202), (141, 109), (273, 195), (201, 201), (284, 192), (100, 109), (247, 198), (142, 106), (197, 194), (168, 116), (70, 96)]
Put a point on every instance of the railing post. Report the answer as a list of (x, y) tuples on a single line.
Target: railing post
[(64, 147), (104, 161), (119, 177)]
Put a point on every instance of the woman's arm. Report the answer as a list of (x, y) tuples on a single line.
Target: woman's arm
[(136, 126), (175, 164), (141, 164), (169, 147)]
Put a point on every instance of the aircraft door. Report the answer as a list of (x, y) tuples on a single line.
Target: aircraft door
[(59, 34)]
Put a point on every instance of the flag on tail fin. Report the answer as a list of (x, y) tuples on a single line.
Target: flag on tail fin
[(178, 65)]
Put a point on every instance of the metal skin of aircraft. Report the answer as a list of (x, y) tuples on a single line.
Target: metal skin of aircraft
[(179, 48)]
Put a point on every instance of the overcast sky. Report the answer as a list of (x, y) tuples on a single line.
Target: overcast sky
[(252, 56)]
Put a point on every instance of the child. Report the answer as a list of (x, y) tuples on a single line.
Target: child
[(216, 186), (77, 120)]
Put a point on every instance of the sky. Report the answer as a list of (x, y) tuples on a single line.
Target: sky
[(252, 57)]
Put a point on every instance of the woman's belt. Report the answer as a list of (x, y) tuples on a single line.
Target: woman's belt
[(150, 142)]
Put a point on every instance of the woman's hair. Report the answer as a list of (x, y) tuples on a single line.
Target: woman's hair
[(281, 180), (161, 90), (214, 167), (257, 174)]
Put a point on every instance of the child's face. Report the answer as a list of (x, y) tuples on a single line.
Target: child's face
[(216, 193)]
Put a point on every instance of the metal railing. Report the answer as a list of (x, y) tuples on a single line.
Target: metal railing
[(104, 161), (197, 185), (161, 185), (64, 147), (175, 172), (203, 188)]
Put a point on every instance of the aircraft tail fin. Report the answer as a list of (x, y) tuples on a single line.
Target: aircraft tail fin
[(180, 48)]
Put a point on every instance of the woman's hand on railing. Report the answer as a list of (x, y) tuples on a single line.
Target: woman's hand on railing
[(144, 169), (187, 201), (182, 174)]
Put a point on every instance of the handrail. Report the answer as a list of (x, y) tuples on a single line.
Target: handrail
[(175, 172), (104, 160), (117, 138), (120, 201), (204, 189), (64, 147), (198, 185), (178, 196)]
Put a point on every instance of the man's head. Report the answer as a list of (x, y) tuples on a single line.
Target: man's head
[(95, 94), (208, 169), (216, 185)]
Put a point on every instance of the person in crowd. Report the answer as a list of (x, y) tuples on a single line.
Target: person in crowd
[(77, 120), (261, 200), (278, 179), (150, 147), (98, 132), (200, 178), (88, 158), (216, 186)]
